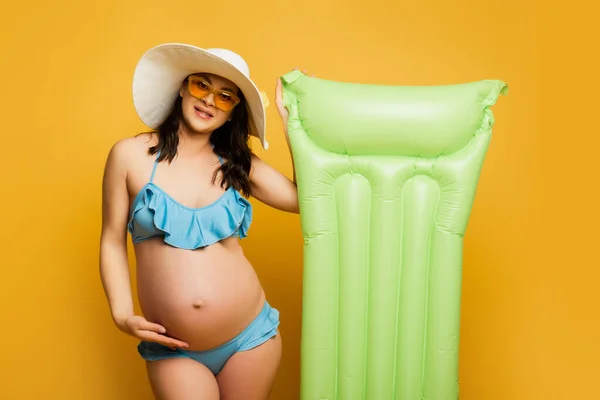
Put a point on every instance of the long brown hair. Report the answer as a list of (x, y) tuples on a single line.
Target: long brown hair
[(230, 141)]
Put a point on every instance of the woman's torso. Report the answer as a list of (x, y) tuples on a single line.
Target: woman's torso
[(204, 296)]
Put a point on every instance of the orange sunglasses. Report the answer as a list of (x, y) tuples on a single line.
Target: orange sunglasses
[(200, 88)]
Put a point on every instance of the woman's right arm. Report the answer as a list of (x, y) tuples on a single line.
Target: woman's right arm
[(114, 264)]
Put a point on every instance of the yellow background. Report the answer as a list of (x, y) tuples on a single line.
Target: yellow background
[(530, 320)]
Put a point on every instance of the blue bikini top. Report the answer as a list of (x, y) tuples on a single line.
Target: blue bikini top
[(155, 213)]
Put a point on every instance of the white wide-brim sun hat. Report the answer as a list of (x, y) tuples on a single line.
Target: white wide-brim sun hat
[(161, 70)]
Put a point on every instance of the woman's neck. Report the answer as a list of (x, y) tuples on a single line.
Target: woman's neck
[(192, 143)]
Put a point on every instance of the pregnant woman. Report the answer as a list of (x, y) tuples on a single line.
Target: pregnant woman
[(206, 330)]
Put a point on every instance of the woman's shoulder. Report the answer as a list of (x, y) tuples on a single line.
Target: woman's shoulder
[(140, 142), (132, 148), (134, 145)]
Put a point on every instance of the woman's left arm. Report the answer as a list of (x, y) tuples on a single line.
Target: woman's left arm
[(272, 187), (269, 185)]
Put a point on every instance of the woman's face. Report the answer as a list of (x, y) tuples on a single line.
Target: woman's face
[(207, 101)]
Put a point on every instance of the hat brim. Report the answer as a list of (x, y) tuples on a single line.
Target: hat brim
[(161, 70)]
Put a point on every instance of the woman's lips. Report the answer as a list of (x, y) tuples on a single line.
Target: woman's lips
[(202, 114)]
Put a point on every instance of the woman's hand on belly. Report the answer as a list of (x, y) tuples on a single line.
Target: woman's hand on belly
[(142, 329), (202, 297)]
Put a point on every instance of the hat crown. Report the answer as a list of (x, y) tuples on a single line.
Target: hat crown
[(232, 58)]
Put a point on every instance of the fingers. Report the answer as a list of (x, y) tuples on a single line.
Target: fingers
[(278, 93), (304, 71), (150, 326), (150, 331), (162, 339), (281, 108)]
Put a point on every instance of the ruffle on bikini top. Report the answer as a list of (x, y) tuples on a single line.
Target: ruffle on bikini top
[(154, 213)]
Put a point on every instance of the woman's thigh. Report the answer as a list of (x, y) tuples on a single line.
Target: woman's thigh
[(250, 374), (181, 379)]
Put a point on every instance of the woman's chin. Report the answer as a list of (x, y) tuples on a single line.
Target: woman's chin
[(201, 127)]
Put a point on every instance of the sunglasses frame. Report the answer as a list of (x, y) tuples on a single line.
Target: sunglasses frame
[(192, 79)]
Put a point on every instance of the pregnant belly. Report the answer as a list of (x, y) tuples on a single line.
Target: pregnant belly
[(204, 297)]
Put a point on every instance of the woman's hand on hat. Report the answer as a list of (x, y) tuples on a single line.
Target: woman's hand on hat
[(142, 329)]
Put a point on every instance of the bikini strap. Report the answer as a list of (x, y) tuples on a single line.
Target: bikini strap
[(154, 168), (220, 159)]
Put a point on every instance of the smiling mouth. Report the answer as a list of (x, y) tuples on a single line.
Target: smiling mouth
[(202, 113)]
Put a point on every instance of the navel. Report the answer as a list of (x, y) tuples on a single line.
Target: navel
[(198, 303)]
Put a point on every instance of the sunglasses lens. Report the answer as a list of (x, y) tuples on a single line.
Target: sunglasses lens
[(225, 101), (200, 88)]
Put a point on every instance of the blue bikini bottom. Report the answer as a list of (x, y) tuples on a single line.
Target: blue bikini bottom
[(261, 329)]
